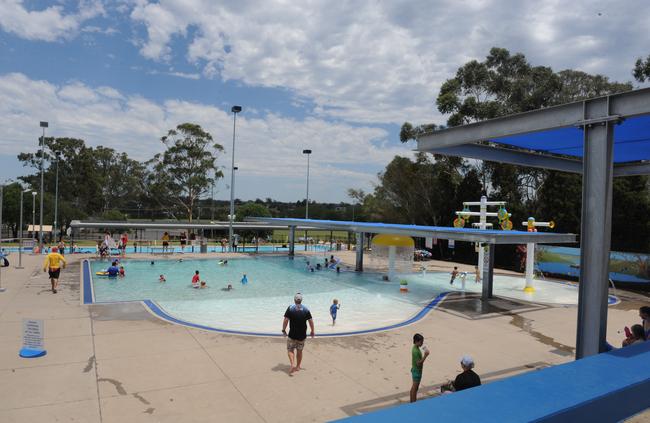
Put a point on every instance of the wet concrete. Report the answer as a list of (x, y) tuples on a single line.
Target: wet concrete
[(118, 385), (123, 311), (526, 325)]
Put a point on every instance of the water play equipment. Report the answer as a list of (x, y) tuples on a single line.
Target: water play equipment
[(465, 215), (398, 249), (531, 225)]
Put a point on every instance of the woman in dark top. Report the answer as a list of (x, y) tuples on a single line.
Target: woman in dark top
[(467, 379)]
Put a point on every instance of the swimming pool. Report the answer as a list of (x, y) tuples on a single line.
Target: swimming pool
[(367, 302)]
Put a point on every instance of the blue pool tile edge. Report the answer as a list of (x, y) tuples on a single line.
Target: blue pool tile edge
[(157, 310)]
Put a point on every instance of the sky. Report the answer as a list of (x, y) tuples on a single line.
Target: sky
[(338, 78)]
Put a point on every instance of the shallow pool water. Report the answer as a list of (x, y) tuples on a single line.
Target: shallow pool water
[(367, 302)]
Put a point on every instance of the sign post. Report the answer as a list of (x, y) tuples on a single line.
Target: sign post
[(33, 345)]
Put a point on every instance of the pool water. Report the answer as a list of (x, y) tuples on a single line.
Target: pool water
[(366, 301)]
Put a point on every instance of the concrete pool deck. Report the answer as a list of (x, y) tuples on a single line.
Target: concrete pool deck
[(117, 363)]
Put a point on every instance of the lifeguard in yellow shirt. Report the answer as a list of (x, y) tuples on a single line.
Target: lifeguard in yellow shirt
[(52, 265)]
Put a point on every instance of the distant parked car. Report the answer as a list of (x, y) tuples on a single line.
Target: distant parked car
[(421, 255)]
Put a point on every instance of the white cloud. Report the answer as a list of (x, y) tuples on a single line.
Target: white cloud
[(97, 30), (49, 24), (268, 145), (383, 62)]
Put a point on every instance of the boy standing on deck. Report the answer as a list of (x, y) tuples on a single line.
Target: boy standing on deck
[(417, 362)]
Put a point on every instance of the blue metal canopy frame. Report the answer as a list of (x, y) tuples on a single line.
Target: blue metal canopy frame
[(615, 133), (442, 232)]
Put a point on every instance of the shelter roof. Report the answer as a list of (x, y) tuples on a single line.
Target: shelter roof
[(459, 234)]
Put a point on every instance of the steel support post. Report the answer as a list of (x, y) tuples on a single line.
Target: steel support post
[(292, 240), (359, 249), (488, 271), (595, 236)]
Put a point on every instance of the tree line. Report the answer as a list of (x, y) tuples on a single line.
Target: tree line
[(428, 189), (104, 184)]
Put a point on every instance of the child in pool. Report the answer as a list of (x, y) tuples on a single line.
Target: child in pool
[(334, 308), (244, 279), (454, 273), (203, 284), (162, 278), (196, 280), (122, 272)]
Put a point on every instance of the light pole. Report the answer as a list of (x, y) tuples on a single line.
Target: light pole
[(33, 213), (1, 253), (40, 229), (308, 153), (56, 198), (212, 205), (235, 110), (20, 240)]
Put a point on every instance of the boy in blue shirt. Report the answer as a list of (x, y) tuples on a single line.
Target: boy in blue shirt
[(334, 308)]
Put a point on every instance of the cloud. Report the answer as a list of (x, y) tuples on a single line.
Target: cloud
[(268, 146), (97, 30), (50, 24), (383, 62), (184, 75)]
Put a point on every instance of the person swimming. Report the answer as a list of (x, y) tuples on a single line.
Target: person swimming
[(113, 270), (223, 262), (244, 279), (152, 263), (228, 288), (162, 278)]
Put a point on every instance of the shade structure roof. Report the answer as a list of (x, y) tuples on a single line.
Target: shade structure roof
[(553, 138), (176, 225), (631, 141), (458, 234)]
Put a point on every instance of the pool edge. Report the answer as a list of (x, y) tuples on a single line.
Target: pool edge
[(155, 309)]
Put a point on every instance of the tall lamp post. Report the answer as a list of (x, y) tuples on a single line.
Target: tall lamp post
[(56, 198), (20, 232), (33, 213), (40, 228), (308, 153), (1, 253), (235, 110)]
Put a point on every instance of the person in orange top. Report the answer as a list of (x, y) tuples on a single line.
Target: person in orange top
[(52, 265)]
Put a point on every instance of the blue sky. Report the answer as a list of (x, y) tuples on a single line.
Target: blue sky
[(338, 78)]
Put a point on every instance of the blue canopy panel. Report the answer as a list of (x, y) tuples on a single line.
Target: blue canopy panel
[(631, 141)]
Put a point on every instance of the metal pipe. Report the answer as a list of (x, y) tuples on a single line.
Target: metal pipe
[(33, 214), (56, 199), (308, 153), (20, 232), (40, 229), (1, 264), (231, 217)]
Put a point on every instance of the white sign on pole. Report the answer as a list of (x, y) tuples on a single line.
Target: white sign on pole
[(428, 242), (452, 244), (33, 334)]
